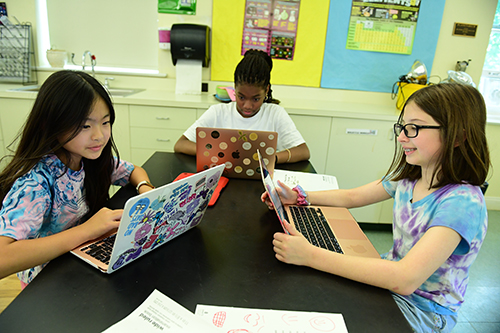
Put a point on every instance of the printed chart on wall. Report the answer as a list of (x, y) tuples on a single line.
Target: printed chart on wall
[(271, 26), (383, 26)]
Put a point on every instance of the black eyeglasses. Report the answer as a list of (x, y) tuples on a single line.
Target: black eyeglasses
[(411, 130)]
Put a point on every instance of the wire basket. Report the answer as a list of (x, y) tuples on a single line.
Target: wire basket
[(17, 57)]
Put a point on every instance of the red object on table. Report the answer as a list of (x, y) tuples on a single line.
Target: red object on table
[(222, 183)]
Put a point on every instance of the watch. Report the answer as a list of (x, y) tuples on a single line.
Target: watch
[(144, 182)]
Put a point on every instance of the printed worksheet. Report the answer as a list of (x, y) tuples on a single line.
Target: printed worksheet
[(308, 181), (159, 313), (230, 319)]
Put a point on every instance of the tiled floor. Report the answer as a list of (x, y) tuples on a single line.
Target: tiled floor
[(481, 310)]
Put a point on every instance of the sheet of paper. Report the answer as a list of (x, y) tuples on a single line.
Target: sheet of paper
[(308, 181), (159, 313), (229, 319)]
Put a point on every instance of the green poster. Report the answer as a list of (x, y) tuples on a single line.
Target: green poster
[(186, 7)]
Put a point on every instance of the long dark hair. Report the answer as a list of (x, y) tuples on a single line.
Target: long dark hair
[(255, 69), (63, 104), (461, 112)]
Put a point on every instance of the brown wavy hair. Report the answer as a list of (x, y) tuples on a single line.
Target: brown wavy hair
[(461, 112)]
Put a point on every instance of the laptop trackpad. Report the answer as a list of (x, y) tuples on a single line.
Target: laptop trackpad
[(346, 229)]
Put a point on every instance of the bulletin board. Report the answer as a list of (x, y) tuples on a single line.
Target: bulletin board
[(375, 71), (306, 67)]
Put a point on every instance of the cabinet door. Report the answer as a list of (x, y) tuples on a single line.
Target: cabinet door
[(13, 114), (316, 132), (161, 117), (155, 128), (121, 131), (360, 152)]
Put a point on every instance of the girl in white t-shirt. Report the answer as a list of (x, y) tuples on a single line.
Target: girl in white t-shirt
[(255, 108)]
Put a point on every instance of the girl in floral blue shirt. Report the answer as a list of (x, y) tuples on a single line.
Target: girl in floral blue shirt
[(56, 184), (440, 216)]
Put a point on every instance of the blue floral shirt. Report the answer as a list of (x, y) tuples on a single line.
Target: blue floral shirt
[(45, 201), (456, 206)]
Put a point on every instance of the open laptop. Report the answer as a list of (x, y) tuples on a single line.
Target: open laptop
[(236, 149), (332, 228), (152, 219)]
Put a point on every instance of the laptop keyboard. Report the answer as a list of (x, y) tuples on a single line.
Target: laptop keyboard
[(313, 225), (101, 250)]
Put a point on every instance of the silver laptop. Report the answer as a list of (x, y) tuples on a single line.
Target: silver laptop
[(152, 219), (332, 228)]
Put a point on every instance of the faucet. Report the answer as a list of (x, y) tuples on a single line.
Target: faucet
[(106, 81), (92, 61)]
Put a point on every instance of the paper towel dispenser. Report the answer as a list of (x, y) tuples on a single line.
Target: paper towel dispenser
[(190, 41)]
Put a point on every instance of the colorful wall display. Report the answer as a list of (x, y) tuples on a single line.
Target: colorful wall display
[(228, 22), (271, 26), (382, 26)]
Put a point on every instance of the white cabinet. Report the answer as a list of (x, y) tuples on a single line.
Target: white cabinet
[(13, 114), (360, 152), (154, 128), (316, 131)]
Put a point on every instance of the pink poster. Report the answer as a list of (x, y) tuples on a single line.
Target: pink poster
[(271, 26)]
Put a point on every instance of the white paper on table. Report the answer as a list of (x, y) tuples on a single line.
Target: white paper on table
[(159, 313), (230, 319), (308, 181)]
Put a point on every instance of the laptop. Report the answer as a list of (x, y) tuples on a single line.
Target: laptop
[(332, 228), (152, 219), (236, 149)]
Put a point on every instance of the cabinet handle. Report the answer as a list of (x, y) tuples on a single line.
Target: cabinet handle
[(162, 118), (163, 140)]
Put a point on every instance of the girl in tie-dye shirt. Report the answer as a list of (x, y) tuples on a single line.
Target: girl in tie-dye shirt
[(60, 175), (440, 216)]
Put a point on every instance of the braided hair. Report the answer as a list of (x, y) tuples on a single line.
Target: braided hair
[(255, 69)]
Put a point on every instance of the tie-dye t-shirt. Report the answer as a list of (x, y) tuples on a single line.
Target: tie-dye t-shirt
[(43, 203), (459, 207)]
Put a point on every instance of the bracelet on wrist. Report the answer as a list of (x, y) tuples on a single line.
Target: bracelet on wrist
[(144, 182), (302, 196)]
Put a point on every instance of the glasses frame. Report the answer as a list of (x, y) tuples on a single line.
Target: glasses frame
[(417, 129)]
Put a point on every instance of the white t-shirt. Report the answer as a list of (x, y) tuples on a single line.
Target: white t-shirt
[(271, 117)]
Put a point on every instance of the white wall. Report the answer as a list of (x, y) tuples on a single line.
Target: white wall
[(450, 49)]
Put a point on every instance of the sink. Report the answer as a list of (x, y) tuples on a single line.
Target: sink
[(122, 92)]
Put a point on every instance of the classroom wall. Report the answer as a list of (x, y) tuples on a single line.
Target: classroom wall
[(449, 50)]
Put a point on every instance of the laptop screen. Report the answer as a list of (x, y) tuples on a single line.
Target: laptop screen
[(271, 190)]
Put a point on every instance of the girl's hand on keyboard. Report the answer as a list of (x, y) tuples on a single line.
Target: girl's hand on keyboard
[(103, 221), (293, 248)]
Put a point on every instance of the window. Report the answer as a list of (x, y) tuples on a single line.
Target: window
[(490, 79), (120, 33)]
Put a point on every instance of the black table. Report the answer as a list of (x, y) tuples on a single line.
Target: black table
[(227, 260)]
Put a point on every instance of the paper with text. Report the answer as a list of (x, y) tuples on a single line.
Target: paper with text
[(230, 319), (308, 181), (159, 313)]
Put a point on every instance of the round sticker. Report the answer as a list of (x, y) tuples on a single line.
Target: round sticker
[(208, 146), (233, 139), (246, 161), (262, 144), (223, 145), (238, 169), (269, 150), (250, 172), (214, 159), (215, 134), (271, 136), (255, 157), (202, 134), (253, 136), (266, 161), (206, 153), (229, 165), (246, 145)]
